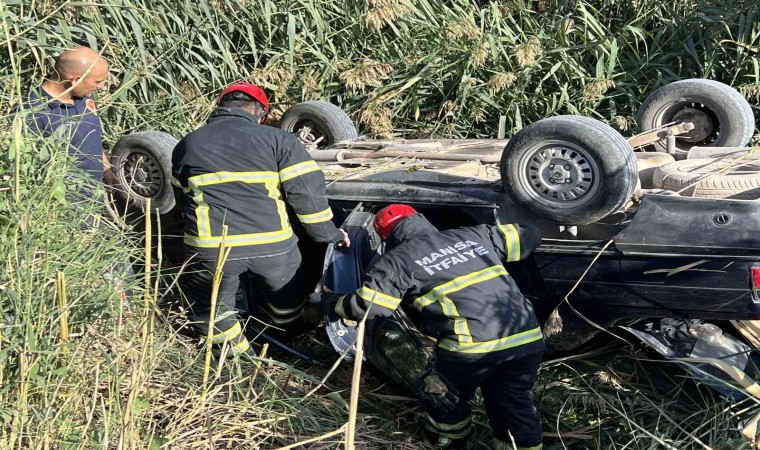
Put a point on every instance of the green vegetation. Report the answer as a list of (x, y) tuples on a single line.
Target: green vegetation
[(82, 368), (443, 68)]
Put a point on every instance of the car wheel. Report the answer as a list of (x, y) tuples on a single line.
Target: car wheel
[(691, 175), (571, 170), (142, 165), (313, 120), (647, 163), (721, 115)]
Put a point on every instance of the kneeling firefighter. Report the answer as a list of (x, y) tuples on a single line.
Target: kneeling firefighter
[(237, 175), (488, 335)]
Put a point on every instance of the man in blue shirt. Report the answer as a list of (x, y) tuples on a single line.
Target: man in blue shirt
[(65, 100)]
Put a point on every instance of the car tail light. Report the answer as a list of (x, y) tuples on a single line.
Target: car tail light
[(755, 277)]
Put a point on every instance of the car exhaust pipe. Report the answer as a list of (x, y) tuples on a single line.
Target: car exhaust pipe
[(342, 155)]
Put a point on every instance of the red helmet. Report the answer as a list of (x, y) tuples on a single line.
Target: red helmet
[(247, 88), (390, 216)]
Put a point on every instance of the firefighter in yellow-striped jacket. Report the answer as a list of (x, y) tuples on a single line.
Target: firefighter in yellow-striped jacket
[(487, 333), (234, 172)]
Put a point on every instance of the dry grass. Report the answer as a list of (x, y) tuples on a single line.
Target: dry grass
[(379, 120), (462, 30), (501, 81), (353, 53), (751, 91), (528, 53), (365, 73), (481, 54), (595, 90), (384, 12)]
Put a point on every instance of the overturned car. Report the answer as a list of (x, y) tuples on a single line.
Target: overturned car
[(662, 241)]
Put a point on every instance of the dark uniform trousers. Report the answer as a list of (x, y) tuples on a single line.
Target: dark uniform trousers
[(507, 394), (279, 291)]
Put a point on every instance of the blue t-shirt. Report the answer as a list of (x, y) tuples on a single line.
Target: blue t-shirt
[(83, 127)]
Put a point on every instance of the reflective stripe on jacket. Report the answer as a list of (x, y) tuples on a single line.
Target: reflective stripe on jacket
[(235, 172), (457, 281)]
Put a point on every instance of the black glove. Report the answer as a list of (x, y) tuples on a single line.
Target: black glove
[(323, 302), (436, 392)]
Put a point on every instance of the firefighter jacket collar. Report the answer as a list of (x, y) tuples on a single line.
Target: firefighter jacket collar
[(233, 112), (414, 225)]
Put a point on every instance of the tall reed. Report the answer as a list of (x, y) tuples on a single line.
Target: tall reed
[(83, 367)]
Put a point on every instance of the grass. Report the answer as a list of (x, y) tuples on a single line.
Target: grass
[(110, 378), (627, 400), (81, 367)]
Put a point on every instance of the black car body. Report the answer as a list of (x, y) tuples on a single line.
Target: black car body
[(687, 261), (668, 256)]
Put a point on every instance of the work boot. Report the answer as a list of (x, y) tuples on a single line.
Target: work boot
[(312, 318), (501, 445), (307, 321), (442, 442), (238, 347)]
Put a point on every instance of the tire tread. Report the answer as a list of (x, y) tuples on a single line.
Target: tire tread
[(682, 174)]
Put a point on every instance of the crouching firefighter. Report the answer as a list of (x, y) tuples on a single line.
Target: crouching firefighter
[(234, 172), (487, 333)]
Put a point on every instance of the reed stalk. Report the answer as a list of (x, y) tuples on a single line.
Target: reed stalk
[(63, 305)]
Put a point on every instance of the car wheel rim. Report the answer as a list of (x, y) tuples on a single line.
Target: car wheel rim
[(706, 124), (142, 174), (559, 172)]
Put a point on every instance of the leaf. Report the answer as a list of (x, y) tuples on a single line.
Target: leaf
[(43, 153), (141, 404), (291, 38), (612, 62), (552, 71), (156, 442), (58, 192)]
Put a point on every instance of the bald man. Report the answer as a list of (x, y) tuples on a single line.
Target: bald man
[(65, 100)]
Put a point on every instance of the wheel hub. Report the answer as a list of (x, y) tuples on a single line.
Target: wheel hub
[(142, 174), (560, 172), (704, 124)]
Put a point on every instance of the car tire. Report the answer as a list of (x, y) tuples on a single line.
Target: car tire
[(583, 146), (647, 163), (723, 117), (142, 164), (324, 119), (722, 153), (691, 176)]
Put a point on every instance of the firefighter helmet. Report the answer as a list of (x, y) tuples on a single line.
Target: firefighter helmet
[(390, 216), (251, 90)]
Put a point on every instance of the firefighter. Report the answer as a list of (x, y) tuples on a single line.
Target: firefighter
[(487, 333), (237, 174)]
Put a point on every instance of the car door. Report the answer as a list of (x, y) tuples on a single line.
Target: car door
[(690, 257)]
